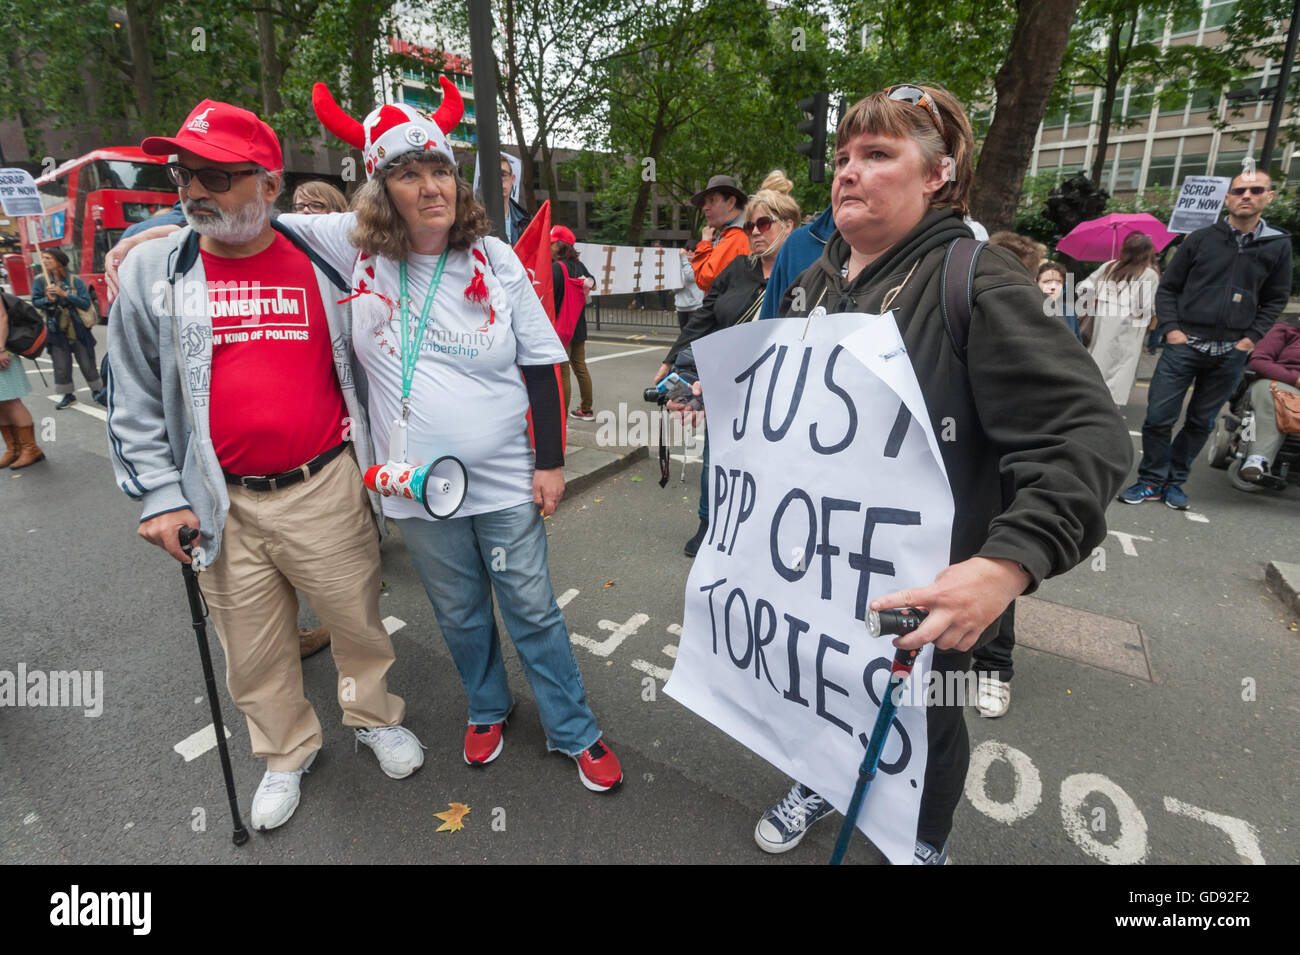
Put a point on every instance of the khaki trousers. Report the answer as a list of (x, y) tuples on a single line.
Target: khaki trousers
[(317, 536)]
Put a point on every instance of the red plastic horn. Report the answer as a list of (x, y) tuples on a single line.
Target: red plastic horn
[(452, 107), (339, 123)]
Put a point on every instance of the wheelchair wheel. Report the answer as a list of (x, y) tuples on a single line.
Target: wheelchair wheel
[(1239, 482), (1218, 450)]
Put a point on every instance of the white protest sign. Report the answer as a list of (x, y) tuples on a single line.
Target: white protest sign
[(826, 490), (623, 269), (1198, 203), (18, 193)]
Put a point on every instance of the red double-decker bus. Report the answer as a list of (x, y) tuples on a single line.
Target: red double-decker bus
[(89, 202)]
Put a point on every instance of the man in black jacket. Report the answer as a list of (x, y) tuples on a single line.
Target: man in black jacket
[(1224, 290)]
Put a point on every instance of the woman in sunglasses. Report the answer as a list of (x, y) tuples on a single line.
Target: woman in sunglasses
[(736, 295), (1030, 440)]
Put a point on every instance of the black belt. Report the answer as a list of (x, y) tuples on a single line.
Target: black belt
[(273, 482)]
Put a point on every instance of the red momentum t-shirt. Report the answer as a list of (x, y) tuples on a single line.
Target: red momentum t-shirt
[(276, 402)]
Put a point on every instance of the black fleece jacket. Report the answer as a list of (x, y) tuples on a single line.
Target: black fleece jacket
[(1222, 290), (1032, 443)]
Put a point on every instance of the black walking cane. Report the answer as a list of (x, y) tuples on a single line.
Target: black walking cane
[(199, 610), (891, 622)]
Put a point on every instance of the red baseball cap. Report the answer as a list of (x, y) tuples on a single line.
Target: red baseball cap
[(562, 233), (222, 133)]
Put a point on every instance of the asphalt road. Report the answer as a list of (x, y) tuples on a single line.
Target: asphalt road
[(1196, 765)]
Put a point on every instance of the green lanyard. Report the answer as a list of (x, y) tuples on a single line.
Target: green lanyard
[(411, 346)]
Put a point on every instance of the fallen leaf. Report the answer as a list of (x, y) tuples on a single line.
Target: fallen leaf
[(1067, 692), (452, 818), (636, 479), (609, 583), (598, 500)]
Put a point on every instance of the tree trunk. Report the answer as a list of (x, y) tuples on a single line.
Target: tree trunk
[(657, 137), (1023, 84), (1114, 70), (139, 27), (270, 61)]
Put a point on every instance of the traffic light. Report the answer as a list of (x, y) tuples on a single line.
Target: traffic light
[(815, 107)]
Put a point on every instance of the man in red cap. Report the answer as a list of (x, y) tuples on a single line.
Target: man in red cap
[(232, 408)]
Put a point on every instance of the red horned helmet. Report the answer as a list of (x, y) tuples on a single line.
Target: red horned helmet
[(393, 129)]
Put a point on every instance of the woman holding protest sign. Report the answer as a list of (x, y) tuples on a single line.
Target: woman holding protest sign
[(457, 350), (1031, 443), (737, 293)]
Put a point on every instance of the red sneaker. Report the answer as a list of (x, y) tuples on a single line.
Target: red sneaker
[(483, 743), (598, 768)]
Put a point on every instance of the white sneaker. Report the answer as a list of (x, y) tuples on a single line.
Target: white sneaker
[(994, 696), (277, 796), (1256, 467), (399, 752)]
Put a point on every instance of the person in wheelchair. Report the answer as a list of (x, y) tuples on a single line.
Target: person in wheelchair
[(1276, 359)]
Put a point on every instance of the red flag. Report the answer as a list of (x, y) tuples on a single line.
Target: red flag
[(534, 251)]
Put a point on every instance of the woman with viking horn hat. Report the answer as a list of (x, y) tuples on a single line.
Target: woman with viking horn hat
[(457, 349)]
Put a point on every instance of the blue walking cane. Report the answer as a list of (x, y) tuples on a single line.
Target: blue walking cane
[(885, 622)]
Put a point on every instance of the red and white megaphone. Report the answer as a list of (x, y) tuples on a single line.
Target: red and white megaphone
[(440, 485)]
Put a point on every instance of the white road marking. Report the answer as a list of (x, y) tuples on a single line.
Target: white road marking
[(196, 744), (675, 629), (82, 407), (392, 624), (1198, 518), (1028, 790), (618, 633), (1245, 839), (563, 600), (1126, 542), (1136, 434), (624, 354), (659, 673), (30, 818), (1130, 846), (671, 651)]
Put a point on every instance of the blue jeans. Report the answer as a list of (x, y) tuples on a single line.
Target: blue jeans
[(1179, 367), (460, 562)]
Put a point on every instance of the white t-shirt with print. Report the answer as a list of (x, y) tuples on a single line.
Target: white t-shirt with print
[(468, 397)]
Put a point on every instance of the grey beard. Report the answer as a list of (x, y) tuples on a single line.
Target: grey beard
[(243, 225)]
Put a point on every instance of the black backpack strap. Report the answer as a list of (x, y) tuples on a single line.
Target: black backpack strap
[(958, 278)]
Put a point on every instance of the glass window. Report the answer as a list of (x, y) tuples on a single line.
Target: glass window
[(1228, 163), (1126, 176), (1140, 96), (1218, 14), (663, 216), (566, 214), (1081, 109), (1186, 21), (1204, 97), (1055, 118), (1193, 165), (1161, 171), (54, 192), (1151, 26), (1173, 99)]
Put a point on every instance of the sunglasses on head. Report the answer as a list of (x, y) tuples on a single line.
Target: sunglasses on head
[(907, 93), (1253, 190), (214, 180), (761, 224)]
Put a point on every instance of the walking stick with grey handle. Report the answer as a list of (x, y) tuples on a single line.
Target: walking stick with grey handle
[(199, 610)]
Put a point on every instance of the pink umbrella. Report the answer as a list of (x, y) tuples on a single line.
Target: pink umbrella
[(1098, 240)]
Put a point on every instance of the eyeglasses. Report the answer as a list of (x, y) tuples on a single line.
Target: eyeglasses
[(917, 97), (761, 224), (317, 208), (1253, 190), (214, 180)]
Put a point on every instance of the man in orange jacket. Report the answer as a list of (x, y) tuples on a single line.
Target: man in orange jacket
[(724, 210)]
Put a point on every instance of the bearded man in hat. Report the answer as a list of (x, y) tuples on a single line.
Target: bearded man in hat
[(724, 237), (233, 409)]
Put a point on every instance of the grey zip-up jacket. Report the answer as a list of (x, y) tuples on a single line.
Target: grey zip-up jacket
[(160, 371)]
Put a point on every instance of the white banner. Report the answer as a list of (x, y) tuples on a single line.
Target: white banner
[(18, 193), (826, 490), (1199, 203), (624, 269)]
